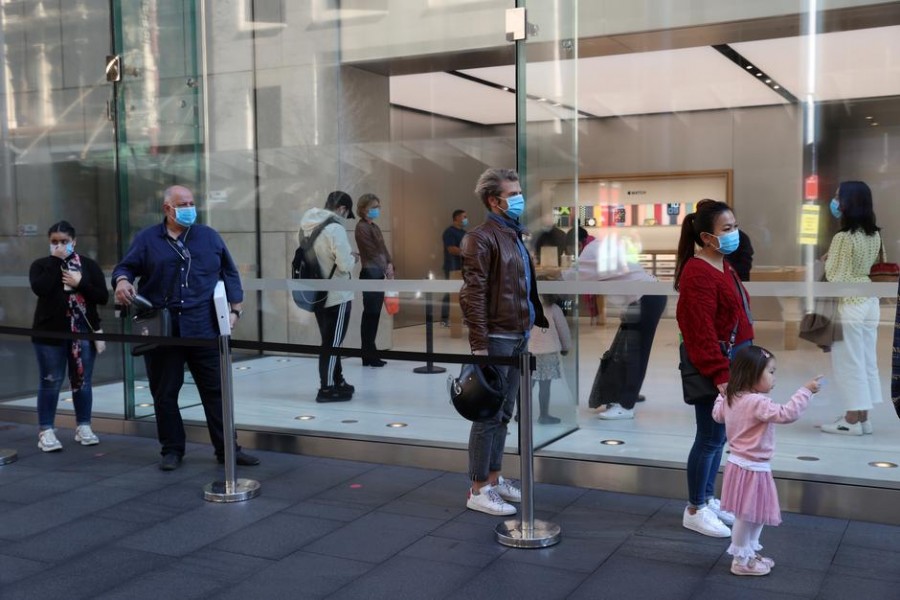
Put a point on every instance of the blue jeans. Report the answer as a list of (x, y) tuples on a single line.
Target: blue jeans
[(706, 453), (487, 438), (52, 363)]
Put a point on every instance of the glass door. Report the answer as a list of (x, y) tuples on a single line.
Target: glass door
[(547, 110), (158, 119)]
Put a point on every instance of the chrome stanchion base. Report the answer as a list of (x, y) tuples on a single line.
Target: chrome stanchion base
[(8, 455), (244, 489), (543, 534)]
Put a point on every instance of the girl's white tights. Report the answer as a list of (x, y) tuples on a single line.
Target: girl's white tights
[(744, 540)]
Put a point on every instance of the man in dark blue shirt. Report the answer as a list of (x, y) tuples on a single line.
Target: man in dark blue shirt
[(452, 238), (177, 264)]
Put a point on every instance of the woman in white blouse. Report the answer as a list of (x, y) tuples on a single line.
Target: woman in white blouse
[(853, 251)]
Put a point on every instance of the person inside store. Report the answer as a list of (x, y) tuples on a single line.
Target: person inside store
[(336, 258), (715, 321), (376, 264), (451, 239), (617, 388), (742, 258), (853, 251), (69, 287), (177, 264), (500, 304), (551, 237)]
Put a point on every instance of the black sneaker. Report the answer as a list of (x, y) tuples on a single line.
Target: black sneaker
[(377, 362), (333, 393), (345, 387), (169, 462)]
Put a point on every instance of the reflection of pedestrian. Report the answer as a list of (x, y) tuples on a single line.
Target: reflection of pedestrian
[(552, 237), (853, 251), (376, 264), (713, 307), (610, 258), (742, 258), (547, 344), (499, 301), (177, 265), (335, 257), (451, 239), (69, 287)]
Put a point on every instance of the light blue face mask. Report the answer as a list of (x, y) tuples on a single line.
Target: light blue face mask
[(465, 222), (835, 207), (515, 206), (185, 215), (70, 248), (728, 242), (374, 213)]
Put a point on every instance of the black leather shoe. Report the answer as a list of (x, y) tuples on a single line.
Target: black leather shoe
[(343, 386), (374, 363), (169, 462), (641, 398), (241, 458)]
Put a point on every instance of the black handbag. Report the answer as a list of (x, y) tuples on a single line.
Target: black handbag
[(696, 387), (156, 322), (611, 374)]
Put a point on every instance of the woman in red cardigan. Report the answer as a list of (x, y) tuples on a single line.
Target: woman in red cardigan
[(713, 307)]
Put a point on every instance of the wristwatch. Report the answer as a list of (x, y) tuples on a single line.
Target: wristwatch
[(237, 312)]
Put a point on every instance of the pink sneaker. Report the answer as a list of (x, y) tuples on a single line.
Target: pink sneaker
[(765, 560), (753, 567)]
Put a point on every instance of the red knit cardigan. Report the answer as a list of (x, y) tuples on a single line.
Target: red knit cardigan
[(708, 306)]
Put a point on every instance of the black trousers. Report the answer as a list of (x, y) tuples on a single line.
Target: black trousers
[(332, 323), (372, 303), (165, 370), (633, 342)]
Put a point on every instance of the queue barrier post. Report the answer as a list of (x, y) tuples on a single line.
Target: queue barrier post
[(231, 489), (526, 532), (429, 339)]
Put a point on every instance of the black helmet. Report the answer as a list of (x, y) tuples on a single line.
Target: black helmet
[(478, 393)]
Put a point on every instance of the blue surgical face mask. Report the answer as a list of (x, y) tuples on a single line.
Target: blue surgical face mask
[(374, 212), (728, 242), (835, 207), (70, 248), (185, 215), (515, 206), (465, 222)]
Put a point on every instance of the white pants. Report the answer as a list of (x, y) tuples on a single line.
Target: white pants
[(854, 360)]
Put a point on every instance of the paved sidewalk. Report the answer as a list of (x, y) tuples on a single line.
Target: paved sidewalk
[(104, 522)]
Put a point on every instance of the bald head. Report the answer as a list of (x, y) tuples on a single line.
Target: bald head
[(177, 194)]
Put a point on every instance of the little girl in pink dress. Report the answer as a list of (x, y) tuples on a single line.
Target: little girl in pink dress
[(749, 416)]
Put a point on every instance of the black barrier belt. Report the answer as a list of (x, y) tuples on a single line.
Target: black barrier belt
[(472, 359)]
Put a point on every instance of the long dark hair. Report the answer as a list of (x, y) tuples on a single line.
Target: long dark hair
[(746, 369), (702, 220), (855, 200), (62, 227)]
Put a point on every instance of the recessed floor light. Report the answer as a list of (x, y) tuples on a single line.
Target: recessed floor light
[(282, 360), (396, 425), (67, 399), (243, 368), (869, 117), (808, 458), (145, 405), (613, 443), (140, 387), (304, 418), (883, 464), (349, 421)]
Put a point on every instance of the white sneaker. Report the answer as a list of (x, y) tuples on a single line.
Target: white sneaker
[(487, 500), (716, 507), (615, 412), (507, 490), (842, 427), (86, 436), (706, 522), (47, 441), (866, 427)]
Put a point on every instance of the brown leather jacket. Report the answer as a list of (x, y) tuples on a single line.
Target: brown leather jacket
[(493, 297)]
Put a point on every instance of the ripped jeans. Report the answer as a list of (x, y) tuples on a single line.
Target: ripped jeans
[(52, 364)]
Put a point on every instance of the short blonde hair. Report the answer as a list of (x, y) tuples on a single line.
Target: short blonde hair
[(364, 202)]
